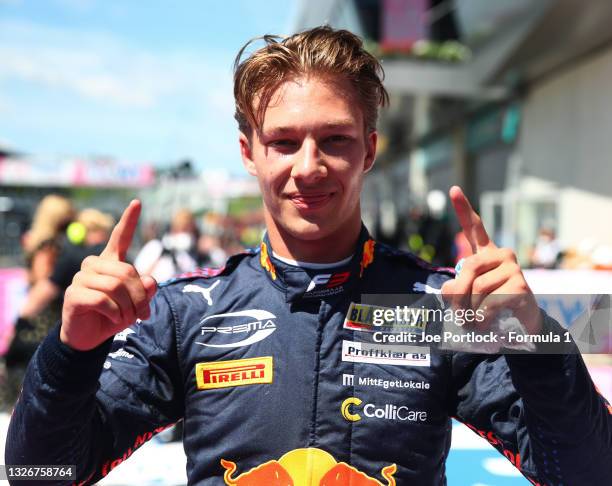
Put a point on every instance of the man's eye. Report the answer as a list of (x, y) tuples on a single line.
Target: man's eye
[(283, 143), (338, 139)]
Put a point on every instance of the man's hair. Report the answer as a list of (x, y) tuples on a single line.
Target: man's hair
[(321, 51)]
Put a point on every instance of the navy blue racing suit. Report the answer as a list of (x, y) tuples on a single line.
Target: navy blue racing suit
[(275, 371)]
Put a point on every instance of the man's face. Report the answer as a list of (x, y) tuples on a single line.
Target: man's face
[(310, 157)]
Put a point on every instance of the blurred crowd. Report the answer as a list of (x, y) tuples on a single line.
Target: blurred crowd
[(60, 237), (429, 232)]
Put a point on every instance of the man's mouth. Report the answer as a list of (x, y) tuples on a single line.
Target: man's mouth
[(311, 200)]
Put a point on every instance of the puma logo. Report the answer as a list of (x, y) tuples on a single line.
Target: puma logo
[(201, 290), (423, 287)]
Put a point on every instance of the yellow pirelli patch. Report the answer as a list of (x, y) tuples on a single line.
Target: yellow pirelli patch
[(238, 372)]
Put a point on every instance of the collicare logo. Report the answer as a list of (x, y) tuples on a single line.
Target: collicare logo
[(386, 411), (251, 326)]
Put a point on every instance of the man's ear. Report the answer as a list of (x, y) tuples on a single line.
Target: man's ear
[(247, 154), (371, 140)]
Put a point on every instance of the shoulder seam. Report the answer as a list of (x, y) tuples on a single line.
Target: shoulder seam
[(413, 259), (207, 272)]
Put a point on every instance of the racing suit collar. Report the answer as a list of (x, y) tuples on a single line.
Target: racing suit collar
[(303, 283)]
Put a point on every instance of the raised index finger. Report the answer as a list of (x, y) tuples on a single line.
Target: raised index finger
[(121, 237), (469, 220)]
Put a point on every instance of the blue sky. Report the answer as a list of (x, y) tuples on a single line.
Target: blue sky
[(148, 81)]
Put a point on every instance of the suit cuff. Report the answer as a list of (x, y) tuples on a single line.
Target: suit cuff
[(70, 370)]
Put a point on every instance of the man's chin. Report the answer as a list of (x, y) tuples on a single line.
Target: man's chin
[(308, 230), (311, 228)]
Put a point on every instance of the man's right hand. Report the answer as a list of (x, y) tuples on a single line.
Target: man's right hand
[(107, 294)]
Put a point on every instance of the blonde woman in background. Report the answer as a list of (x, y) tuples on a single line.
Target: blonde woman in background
[(43, 240), (42, 307), (42, 244)]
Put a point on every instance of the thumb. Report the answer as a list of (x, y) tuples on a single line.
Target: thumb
[(150, 285)]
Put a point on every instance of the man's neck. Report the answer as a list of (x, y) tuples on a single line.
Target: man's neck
[(331, 248)]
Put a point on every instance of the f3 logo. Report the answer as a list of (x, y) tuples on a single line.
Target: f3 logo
[(331, 279)]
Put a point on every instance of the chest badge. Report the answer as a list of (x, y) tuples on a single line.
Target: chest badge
[(205, 291), (238, 372)]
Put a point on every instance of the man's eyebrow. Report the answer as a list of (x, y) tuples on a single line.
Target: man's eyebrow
[(331, 125), (340, 124)]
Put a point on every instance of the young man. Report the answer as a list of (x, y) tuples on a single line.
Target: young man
[(270, 362)]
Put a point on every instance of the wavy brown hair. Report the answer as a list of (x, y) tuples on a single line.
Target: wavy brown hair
[(321, 51)]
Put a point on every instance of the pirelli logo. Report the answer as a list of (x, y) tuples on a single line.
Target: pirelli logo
[(239, 372)]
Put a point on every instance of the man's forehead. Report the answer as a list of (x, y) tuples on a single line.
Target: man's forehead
[(340, 89)]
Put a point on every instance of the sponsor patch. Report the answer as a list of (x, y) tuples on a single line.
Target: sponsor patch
[(425, 288), (122, 336), (373, 318), (240, 328), (203, 291), (120, 353), (238, 372), (353, 408), (356, 352), (367, 381), (304, 466), (325, 284)]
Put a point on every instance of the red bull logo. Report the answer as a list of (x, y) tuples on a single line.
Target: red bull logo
[(368, 255), (265, 261), (305, 467)]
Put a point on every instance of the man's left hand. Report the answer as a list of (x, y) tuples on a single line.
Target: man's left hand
[(491, 279)]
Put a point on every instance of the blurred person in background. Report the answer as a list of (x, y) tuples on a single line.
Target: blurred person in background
[(175, 253), (433, 241), (93, 228), (547, 251), (43, 241), (150, 231), (42, 244), (435, 230), (210, 251), (42, 306)]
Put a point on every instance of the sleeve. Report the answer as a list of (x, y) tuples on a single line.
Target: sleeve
[(541, 411), (93, 409)]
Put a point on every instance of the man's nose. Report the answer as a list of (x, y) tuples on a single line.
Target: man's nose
[(309, 165)]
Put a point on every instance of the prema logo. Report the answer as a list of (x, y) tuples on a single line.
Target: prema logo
[(385, 412), (223, 374), (257, 327), (330, 280)]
